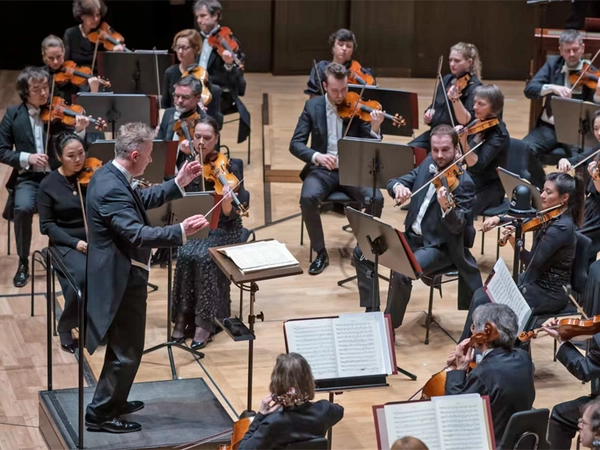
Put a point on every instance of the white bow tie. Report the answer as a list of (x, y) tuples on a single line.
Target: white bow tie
[(34, 112), (433, 168)]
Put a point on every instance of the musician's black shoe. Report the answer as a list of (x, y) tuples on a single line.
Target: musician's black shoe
[(130, 407), (22, 275), (67, 343), (197, 345), (319, 264), (111, 425)]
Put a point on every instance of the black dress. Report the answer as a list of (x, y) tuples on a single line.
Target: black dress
[(61, 219), (591, 220), (78, 47)]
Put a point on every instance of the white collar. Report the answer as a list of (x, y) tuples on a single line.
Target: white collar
[(124, 171)]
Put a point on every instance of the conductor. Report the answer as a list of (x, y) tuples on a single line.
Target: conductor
[(120, 241)]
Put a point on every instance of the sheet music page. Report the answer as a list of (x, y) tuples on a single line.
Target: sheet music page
[(259, 256), (503, 289), (382, 329), (359, 347), (314, 340), (417, 419), (462, 422)]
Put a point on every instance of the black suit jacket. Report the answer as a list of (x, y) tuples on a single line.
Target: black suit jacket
[(584, 368), (119, 231), (165, 130), (289, 425), (313, 123), (506, 376)]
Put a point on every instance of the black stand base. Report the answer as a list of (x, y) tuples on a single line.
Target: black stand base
[(153, 287)]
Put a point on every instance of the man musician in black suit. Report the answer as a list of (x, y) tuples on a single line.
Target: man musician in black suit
[(224, 71), (439, 233), (23, 128), (320, 121), (119, 246)]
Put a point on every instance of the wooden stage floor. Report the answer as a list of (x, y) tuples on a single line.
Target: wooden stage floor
[(22, 355)]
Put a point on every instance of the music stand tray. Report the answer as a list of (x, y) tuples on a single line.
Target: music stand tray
[(117, 109), (574, 121), (102, 149)]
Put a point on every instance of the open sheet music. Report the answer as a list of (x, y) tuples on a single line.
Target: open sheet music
[(501, 288), (262, 255), (351, 345), (452, 422)]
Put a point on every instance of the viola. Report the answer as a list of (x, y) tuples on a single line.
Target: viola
[(182, 127), (569, 329), (223, 40), (358, 75), (108, 37), (89, 168), (535, 223), (354, 106), (589, 78), (215, 169), (479, 126), (77, 75), (201, 75), (60, 111)]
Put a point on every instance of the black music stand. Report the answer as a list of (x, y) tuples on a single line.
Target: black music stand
[(388, 247), (117, 109), (367, 162), (102, 149), (393, 101), (178, 211)]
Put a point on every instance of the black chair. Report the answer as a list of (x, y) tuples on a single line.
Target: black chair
[(229, 107), (526, 430), (313, 444), (435, 281), (552, 158)]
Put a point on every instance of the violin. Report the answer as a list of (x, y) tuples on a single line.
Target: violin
[(568, 329), (478, 126), (201, 75), (89, 168), (66, 114), (449, 180), (215, 169), (358, 76), (589, 78), (183, 125), (436, 385), (77, 75), (108, 37), (535, 223), (223, 40), (354, 106), (461, 83)]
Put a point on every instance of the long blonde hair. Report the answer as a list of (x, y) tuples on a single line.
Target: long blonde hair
[(469, 51)]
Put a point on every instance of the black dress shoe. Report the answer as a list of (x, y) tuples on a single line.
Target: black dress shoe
[(112, 425), (178, 340), (319, 264), (130, 407), (198, 345), (70, 347), (21, 276)]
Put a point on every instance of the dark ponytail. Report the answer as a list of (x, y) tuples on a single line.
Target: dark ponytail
[(61, 141), (575, 187)]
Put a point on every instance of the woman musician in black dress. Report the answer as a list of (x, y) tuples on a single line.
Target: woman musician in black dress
[(61, 219)]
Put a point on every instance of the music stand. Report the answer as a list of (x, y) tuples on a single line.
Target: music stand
[(102, 149), (393, 101), (118, 109), (511, 180), (188, 206)]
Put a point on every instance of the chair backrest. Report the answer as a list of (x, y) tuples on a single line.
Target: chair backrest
[(420, 155), (579, 271), (516, 157), (313, 444), (526, 430)]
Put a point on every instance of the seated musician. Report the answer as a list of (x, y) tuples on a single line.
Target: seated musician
[(320, 121), (286, 414), (504, 373), (53, 55), (200, 289), (23, 129), (463, 60), (553, 80), (409, 443), (78, 48), (549, 263), (61, 219), (187, 45), (343, 44), (482, 163), (222, 69), (438, 232), (589, 426)]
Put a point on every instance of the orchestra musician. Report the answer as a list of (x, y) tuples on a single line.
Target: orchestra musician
[(482, 163), (187, 45), (439, 233), (222, 69), (288, 407), (343, 44), (22, 127), (553, 80), (119, 248), (504, 373), (201, 291), (409, 443), (61, 219), (463, 60), (320, 121), (549, 263), (589, 426), (89, 14)]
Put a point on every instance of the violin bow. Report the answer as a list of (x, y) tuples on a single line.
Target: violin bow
[(577, 305), (49, 118), (437, 81), (223, 198), (95, 52), (585, 159), (583, 72), (318, 77), (157, 75), (356, 106), (85, 224)]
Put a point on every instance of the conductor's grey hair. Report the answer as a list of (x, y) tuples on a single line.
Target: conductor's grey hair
[(131, 137)]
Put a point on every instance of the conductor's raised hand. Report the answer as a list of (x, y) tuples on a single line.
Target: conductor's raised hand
[(401, 193), (326, 160), (188, 172), (193, 224)]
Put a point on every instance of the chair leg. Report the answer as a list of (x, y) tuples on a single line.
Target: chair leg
[(429, 312), (32, 284), (301, 231), (554, 354), (55, 333), (482, 237), (8, 238)]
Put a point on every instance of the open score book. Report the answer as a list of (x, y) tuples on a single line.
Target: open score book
[(261, 255)]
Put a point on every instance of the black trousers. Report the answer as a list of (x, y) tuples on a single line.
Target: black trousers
[(423, 141), (491, 195), (75, 263), (124, 348), (541, 141), (317, 185), (430, 259), (26, 192), (562, 426)]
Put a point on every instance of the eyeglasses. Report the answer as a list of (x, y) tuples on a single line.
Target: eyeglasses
[(182, 97), (580, 421), (183, 48)]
